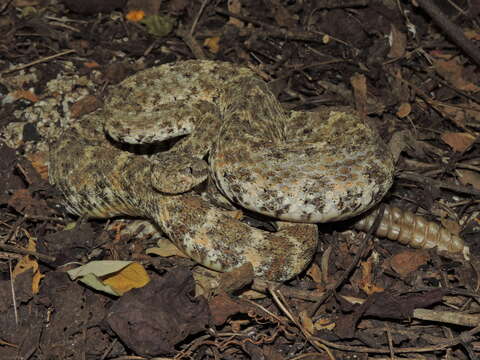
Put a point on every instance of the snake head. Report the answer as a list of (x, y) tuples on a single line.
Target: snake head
[(174, 173)]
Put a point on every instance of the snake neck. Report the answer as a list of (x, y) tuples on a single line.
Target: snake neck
[(248, 101)]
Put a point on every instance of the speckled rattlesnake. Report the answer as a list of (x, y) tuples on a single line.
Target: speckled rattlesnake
[(303, 167)]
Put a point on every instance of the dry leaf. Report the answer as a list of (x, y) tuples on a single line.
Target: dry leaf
[(452, 71), (315, 273), (306, 321), (113, 277), (135, 15), (212, 43), (236, 279), (366, 283), (235, 7), (39, 163), (398, 43), (469, 177), (85, 105), (27, 263), (408, 261), (165, 248), (458, 141), (359, 84), (23, 202), (130, 277), (404, 110), (324, 324), (25, 94), (281, 14), (91, 64)]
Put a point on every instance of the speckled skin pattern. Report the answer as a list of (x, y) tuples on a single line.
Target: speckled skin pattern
[(303, 167)]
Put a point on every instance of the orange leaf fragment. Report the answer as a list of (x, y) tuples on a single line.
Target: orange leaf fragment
[(135, 15), (25, 94)]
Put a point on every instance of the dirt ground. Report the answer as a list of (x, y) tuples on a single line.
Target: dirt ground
[(412, 67)]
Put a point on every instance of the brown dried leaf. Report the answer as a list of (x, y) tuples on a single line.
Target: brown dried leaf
[(404, 110), (25, 94), (398, 43), (315, 273), (452, 71), (235, 7), (306, 321), (85, 105), (153, 319), (359, 84), (165, 248), (469, 177), (458, 141), (237, 278), (222, 307), (281, 14), (366, 283), (39, 163), (23, 202), (408, 261), (453, 113)]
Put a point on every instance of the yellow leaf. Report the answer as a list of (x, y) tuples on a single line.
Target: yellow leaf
[(37, 277), (212, 44), (130, 277)]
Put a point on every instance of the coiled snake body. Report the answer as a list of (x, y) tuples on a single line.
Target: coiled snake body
[(299, 167)]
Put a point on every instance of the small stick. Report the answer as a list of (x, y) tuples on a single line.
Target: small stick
[(17, 250), (45, 59), (453, 31)]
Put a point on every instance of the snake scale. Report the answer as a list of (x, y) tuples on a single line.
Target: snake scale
[(299, 167)]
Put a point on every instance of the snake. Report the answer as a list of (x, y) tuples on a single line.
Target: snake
[(225, 128)]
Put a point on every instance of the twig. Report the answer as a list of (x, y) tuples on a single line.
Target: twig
[(17, 250), (14, 300), (192, 44), (450, 317), (353, 264), (45, 59), (453, 31), (275, 32), (197, 18), (441, 184), (262, 285)]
